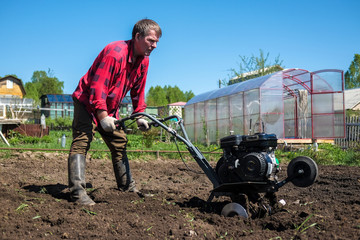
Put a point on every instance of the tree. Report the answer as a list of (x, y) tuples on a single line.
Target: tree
[(189, 95), (156, 96), (13, 75), (161, 96), (252, 67), (352, 75), (43, 83)]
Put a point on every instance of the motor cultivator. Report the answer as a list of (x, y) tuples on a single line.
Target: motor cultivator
[(247, 170)]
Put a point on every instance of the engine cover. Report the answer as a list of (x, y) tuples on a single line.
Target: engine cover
[(249, 167), (248, 158)]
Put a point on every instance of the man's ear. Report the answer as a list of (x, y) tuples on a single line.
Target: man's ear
[(137, 36)]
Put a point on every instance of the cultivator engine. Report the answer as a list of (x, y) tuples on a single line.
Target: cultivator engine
[(246, 172)]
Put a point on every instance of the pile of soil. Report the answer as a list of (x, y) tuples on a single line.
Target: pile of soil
[(35, 203)]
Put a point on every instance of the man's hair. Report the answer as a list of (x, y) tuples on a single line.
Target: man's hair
[(144, 25)]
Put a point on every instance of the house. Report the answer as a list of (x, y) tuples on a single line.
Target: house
[(12, 99), (126, 107), (352, 99), (57, 105), (11, 87)]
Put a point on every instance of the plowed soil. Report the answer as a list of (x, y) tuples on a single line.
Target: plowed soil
[(35, 204)]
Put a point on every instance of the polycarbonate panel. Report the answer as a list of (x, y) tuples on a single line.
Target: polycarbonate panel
[(273, 123), (210, 108), (298, 82), (271, 101), (304, 78), (232, 89), (236, 105), (252, 124), (309, 128), (199, 112), (289, 128), (211, 131), (199, 133), (190, 130), (238, 125), (304, 127), (323, 126), (323, 103), (189, 114), (327, 81), (339, 126), (251, 102), (222, 106), (223, 128), (289, 108), (338, 102), (273, 82)]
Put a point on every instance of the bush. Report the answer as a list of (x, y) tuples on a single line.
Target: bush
[(60, 122), (16, 138), (150, 137)]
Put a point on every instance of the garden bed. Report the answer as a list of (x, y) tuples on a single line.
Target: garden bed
[(34, 199)]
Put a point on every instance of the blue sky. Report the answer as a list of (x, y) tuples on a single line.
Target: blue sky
[(201, 40)]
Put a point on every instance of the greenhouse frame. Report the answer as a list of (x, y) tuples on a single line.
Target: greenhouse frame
[(292, 103)]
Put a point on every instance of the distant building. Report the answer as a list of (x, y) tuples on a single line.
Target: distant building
[(57, 105), (126, 107), (11, 87), (13, 105), (176, 108), (352, 99)]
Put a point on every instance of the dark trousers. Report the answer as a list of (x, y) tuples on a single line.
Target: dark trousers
[(83, 131)]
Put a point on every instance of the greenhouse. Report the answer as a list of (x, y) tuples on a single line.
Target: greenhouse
[(293, 104)]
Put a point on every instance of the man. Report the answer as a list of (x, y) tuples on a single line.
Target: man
[(119, 68)]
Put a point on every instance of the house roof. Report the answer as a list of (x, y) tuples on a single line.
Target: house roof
[(16, 80), (177, 104), (352, 98), (65, 98), (234, 88), (126, 100)]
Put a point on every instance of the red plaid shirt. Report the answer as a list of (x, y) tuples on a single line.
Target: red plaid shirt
[(110, 77)]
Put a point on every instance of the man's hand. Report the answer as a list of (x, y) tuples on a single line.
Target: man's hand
[(143, 125), (108, 124)]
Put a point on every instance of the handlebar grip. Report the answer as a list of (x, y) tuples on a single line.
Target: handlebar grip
[(120, 123)]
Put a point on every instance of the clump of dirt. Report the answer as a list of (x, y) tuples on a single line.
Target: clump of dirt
[(35, 204)]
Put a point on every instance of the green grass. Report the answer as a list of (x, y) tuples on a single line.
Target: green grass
[(135, 142), (326, 155)]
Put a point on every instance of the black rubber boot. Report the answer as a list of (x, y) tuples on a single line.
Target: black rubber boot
[(76, 171), (123, 176)]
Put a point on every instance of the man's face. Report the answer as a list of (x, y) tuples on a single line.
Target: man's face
[(145, 45)]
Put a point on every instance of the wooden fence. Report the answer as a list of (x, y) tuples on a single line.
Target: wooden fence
[(352, 139)]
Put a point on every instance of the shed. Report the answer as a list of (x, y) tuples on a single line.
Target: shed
[(57, 105), (11, 86), (292, 103), (176, 108)]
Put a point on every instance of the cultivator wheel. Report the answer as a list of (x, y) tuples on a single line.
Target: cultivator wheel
[(256, 205), (234, 209), (305, 171)]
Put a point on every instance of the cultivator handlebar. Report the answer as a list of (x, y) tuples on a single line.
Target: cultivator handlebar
[(194, 151)]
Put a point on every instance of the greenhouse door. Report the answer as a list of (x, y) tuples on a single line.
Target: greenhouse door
[(328, 110)]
